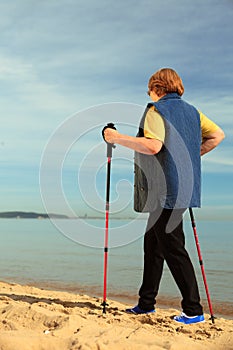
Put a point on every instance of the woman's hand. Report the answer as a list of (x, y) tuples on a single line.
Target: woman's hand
[(110, 135)]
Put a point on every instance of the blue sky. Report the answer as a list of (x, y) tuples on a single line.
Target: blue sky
[(60, 58)]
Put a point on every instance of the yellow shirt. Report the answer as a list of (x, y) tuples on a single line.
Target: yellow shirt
[(154, 125)]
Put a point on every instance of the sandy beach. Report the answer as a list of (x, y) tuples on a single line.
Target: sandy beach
[(38, 319)]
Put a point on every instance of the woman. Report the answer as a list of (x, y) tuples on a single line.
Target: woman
[(172, 137)]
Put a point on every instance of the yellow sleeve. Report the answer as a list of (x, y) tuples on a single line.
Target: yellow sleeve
[(207, 126), (154, 125)]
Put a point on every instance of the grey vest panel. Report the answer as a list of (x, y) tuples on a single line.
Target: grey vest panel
[(172, 177)]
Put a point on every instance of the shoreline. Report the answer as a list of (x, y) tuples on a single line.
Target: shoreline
[(220, 308), (39, 319)]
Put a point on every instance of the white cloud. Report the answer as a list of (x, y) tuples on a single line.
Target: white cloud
[(12, 69)]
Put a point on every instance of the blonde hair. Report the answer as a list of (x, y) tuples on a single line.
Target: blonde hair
[(165, 81)]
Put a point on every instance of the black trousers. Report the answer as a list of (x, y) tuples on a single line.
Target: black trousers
[(160, 246)]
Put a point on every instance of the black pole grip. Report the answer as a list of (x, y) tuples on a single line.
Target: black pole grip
[(110, 146)]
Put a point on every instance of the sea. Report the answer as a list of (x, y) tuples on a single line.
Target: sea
[(35, 252)]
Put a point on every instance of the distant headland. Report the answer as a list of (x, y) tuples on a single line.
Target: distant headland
[(29, 215), (34, 215)]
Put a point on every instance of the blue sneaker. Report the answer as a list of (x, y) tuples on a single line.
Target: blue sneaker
[(137, 311), (183, 318)]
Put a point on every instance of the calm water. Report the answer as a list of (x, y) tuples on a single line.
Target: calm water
[(34, 251)]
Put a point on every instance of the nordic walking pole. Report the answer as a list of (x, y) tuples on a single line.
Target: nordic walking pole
[(110, 146), (212, 317)]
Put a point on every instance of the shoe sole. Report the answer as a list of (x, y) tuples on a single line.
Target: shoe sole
[(189, 322)]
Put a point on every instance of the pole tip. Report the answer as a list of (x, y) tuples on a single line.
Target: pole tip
[(104, 304), (212, 318)]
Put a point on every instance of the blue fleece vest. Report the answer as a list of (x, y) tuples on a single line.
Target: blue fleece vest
[(172, 178)]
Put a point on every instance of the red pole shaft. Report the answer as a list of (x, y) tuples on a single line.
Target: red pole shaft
[(202, 270), (106, 255), (106, 233), (201, 264)]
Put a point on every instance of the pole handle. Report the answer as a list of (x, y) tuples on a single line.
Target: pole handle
[(110, 146)]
